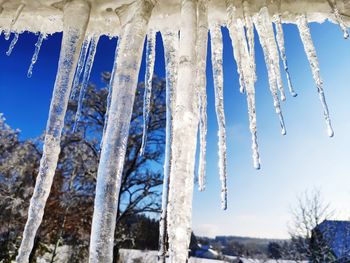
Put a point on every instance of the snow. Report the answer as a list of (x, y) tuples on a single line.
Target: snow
[(49, 13)]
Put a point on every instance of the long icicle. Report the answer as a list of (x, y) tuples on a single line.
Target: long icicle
[(201, 50), (237, 53), (80, 67), (110, 89), (13, 43), (263, 36), (110, 168), (249, 25), (217, 60), (171, 46), (280, 43), (38, 44), (185, 127), (250, 73), (273, 50), (237, 33), (310, 51), (87, 71), (73, 33), (150, 59)]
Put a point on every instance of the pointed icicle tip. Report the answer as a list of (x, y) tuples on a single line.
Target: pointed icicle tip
[(257, 165), (330, 131), (284, 131)]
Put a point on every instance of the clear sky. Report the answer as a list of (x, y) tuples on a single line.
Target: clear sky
[(259, 202)]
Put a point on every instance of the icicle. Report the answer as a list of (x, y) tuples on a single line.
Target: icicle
[(109, 97), (250, 33), (217, 59), (14, 20), (338, 18), (36, 54), (310, 51), (231, 12), (7, 34), (237, 32), (79, 70), (185, 126), (264, 36), (150, 59), (115, 140), (201, 51), (280, 42), (171, 44), (13, 43), (86, 77), (273, 50), (75, 19)]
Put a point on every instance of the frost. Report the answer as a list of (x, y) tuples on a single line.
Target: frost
[(217, 59), (36, 54), (150, 59), (310, 51)]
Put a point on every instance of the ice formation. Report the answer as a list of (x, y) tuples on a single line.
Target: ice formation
[(184, 29), (171, 46), (86, 76), (13, 43), (36, 53), (201, 50), (150, 59), (217, 59)]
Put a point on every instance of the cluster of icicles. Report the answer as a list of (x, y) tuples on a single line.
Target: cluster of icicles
[(185, 56)]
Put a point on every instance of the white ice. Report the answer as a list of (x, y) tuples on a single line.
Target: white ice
[(36, 54), (76, 16), (217, 65), (150, 59)]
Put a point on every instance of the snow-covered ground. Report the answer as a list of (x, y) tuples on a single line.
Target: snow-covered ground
[(139, 256)]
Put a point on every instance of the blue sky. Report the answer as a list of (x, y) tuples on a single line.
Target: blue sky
[(259, 201)]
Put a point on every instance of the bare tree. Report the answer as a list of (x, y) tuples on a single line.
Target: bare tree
[(306, 244), (68, 212)]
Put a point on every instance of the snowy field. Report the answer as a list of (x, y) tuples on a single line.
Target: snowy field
[(139, 256)]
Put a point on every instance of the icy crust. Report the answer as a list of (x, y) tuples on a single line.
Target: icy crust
[(107, 15)]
